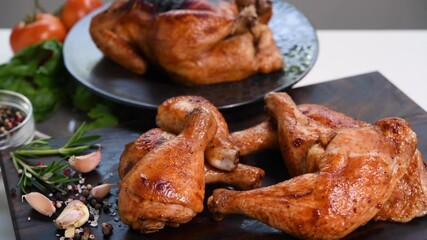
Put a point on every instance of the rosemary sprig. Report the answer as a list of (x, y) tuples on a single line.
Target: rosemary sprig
[(49, 176)]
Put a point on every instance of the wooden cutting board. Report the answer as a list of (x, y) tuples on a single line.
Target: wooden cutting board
[(368, 97)]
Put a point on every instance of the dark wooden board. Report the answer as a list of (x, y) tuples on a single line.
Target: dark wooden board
[(368, 97)]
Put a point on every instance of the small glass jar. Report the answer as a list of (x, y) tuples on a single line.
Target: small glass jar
[(22, 132)]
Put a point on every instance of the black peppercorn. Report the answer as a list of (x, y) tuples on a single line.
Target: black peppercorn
[(107, 229)]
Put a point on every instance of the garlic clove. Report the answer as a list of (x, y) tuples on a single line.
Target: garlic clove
[(40, 203), (101, 191), (85, 163), (74, 215)]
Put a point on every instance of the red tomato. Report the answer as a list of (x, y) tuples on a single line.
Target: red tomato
[(45, 26), (73, 10)]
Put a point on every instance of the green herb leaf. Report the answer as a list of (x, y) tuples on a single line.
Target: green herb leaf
[(34, 73)]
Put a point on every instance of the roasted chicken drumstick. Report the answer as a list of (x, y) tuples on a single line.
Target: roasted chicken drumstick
[(221, 152), (243, 177), (167, 186)]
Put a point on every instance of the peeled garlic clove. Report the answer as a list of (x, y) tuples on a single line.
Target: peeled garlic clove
[(85, 163), (74, 215), (40, 203), (101, 191)]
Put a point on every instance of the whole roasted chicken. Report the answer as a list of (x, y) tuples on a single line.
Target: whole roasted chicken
[(194, 41)]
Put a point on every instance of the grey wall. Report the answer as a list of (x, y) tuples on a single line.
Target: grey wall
[(325, 14), (365, 14)]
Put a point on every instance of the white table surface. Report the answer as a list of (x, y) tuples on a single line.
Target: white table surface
[(400, 55)]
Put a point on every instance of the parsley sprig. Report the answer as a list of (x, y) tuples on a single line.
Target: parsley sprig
[(49, 176), (39, 73)]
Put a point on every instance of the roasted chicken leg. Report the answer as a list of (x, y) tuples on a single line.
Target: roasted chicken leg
[(264, 135), (242, 177), (136, 150), (193, 41), (167, 186), (409, 198), (358, 168), (221, 152)]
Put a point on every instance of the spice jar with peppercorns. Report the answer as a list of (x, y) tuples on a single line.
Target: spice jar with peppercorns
[(17, 125)]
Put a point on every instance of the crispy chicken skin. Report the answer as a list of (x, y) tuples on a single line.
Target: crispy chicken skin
[(221, 152), (242, 177), (195, 42), (357, 170), (329, 117), (167, 186), (409, 198), (136, 150)]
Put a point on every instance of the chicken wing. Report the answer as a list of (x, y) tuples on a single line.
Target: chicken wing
[(167, 186), (221, 152), (358, 168)]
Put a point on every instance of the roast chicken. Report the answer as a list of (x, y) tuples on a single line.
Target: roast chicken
[(409, 198), (195, 42), (243, 177), (221, 153), (167, 186), (347, 175), (345, 172)]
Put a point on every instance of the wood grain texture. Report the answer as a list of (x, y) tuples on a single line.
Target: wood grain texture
[(368, 97)]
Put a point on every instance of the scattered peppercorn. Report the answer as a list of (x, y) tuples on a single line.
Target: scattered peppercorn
[(83, 199), (85, 193), (107, 229), (98, 206), (86, 234), (93, 202), (67, 172)]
